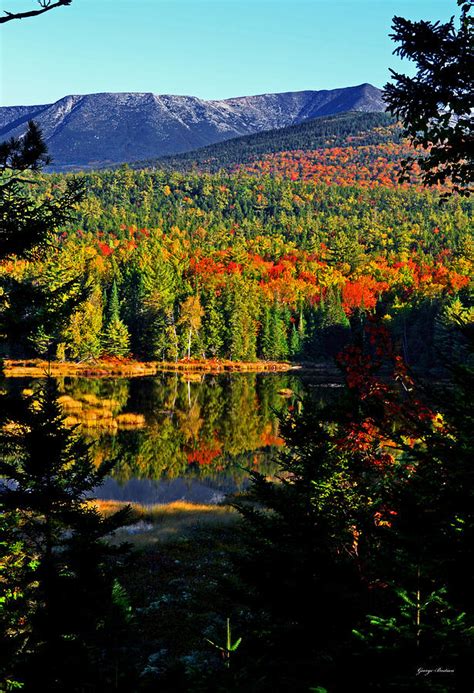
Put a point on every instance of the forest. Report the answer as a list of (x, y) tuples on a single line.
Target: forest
[(322, 132), (273, 262)]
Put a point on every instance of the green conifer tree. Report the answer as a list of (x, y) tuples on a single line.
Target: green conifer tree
[(265, 336), (242, 310), (134, 311), (116, 338), (334, 324), (48, 477), (24, 225), (213, 325), (279, 333), (295, 342)]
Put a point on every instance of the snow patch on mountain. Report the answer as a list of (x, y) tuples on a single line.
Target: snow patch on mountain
[(96, 129)]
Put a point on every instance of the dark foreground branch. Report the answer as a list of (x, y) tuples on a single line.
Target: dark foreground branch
[(45, 6)]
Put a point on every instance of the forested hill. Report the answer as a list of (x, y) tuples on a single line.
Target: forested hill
[(241, 267), (323, 132)]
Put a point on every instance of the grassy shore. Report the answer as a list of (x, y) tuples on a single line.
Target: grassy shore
[(181, 554), (178, 521), (107, 368)]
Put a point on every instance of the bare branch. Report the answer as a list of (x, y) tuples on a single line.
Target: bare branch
[(45, 6)]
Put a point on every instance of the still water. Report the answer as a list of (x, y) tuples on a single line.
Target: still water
[(185, 437)]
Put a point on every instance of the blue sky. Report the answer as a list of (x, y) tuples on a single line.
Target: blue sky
[(207, 48)]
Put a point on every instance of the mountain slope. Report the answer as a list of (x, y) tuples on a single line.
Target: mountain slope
[(101, 129), (330, 131)]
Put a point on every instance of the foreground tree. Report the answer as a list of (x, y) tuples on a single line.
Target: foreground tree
[(300, 570), (26, 223), (64, 570), (57, 584), (423, 529), (61, 608), (435, 106), (358, 553)]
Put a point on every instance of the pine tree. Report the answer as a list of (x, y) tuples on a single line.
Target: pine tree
[(265, 336), (298, 540), (295, 342), (213, 325), (113, 304), (446, 328), (24, 223), (333, 312), (134, 310), (346, 249), (159, 279), (242, 310), (24, 226), (31, 308), (313, 332), (279, 333), (334, 325), (65, 570), (116, 339), (435, 105)]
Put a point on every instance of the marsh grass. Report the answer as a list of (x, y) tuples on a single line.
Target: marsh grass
[(108, 368), (170, 522), (70, 405), (130, 420), (91, 412)]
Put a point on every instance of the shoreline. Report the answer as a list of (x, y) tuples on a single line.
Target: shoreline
[(109, 368), (164, 523)]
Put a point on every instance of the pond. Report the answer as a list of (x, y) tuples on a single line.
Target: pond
[(181, 436)]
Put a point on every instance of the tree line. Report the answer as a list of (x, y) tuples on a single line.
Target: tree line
[(166, 266)]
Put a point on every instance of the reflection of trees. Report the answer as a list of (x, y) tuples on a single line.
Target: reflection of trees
[(158, 454), (213, 397), (208, 429), (112, 391), (160, 396), (190, 423), (242, 422)]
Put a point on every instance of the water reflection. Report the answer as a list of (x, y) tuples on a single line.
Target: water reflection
[(176, 437)]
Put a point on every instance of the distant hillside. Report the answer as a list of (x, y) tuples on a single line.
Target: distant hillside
[(105, 129), (331, 131)]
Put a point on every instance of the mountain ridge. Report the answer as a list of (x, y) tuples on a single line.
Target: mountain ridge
[(92, 130)]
